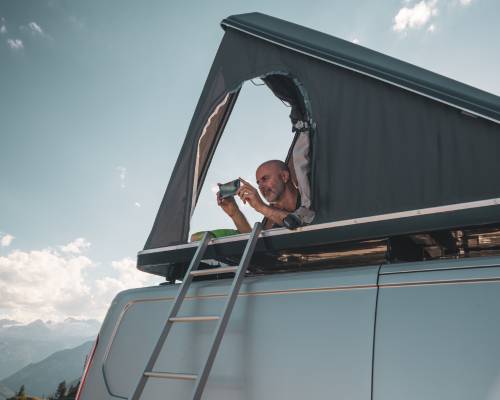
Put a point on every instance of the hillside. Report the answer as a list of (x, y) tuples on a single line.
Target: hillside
[(42, 378), (23, 344)]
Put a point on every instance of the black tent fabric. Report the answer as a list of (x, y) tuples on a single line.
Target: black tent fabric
[(387, 136)]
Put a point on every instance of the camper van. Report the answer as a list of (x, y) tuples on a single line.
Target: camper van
[(388, 288)]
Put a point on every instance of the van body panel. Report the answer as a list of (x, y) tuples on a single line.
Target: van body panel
[(433, 277), (437, 332), (445, 264), (290, 335)]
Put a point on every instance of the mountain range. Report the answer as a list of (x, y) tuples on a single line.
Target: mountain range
[(41, 378), (24, 344)]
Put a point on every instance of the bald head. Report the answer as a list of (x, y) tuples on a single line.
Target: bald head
[(273, 176), (276, 165)]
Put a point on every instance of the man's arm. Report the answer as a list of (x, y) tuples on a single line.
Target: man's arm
[(241, 222), (250, 194), (274, 214), (232, 210)]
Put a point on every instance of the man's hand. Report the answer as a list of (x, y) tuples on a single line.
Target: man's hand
[(228, 205), (233, 211), (249, 194)]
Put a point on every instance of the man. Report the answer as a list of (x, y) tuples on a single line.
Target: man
[(276, 186)]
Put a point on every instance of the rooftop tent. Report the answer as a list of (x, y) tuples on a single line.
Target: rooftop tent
[(386, 136)]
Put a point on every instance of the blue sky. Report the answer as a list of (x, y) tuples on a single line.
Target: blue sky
[(95, 100)]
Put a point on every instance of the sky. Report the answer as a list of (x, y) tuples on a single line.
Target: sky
[(96, 98)]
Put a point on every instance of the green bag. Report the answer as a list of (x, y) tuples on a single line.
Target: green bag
[(216, 233)]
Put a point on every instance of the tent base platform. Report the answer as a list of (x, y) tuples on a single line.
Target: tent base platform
[(418, 234)]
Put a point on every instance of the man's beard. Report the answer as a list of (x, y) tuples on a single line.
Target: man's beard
[(270, 196), (274, 195)]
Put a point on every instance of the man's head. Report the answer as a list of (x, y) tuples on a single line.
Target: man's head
[(272, 178)]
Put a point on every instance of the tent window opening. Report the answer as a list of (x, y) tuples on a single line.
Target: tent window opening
[(257, 131)]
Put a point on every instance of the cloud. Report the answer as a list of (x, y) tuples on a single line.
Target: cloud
[(47, 284), (137, 204), (355, 41), (41, 284), (123, 174), (35, 28), (431, 28), (6, 240), (3, 28), (465, 2), (415, 17), (15, 44), (76, 246), (127, 276)]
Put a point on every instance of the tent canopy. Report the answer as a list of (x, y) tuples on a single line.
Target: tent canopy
[(386, 136)]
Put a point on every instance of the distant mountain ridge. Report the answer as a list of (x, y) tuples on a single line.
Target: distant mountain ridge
[(38, 329), (6, 322), (23, 344), (42, 378)]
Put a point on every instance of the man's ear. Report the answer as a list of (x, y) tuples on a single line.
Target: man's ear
[(285, 175)]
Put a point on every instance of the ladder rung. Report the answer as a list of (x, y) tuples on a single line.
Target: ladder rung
[(194, 319), (213, 271), (170, 375)]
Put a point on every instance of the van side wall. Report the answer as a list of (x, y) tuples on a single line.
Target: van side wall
[(311, 335), (290, 336), (438, 331)]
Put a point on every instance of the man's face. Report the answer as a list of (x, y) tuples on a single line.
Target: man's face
[(271, 182)]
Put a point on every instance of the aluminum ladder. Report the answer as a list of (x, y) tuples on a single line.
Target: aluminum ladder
[(200, 379)]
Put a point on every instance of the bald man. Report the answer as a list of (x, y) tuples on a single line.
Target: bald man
[(275, 184)]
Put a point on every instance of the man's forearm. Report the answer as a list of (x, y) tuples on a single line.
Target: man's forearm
[(274, 214), (241, 222)]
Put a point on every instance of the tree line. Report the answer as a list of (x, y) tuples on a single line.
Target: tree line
[(62, 393)]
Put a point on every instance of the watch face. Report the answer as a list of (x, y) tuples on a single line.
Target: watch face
[(291, 221)]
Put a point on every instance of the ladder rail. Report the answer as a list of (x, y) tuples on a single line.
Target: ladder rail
[(228, 308), (201, 379), (195, 262)]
